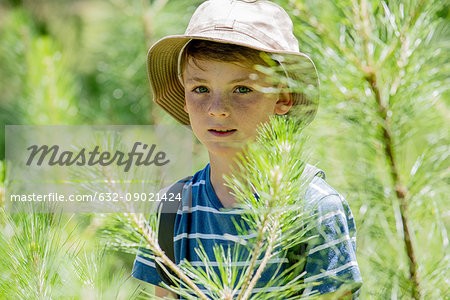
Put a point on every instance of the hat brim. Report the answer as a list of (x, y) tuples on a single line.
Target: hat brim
[(168, 93)]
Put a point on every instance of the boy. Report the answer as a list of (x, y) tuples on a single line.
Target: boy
[(206, 79)]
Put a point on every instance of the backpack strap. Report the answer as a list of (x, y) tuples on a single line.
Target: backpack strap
[(166, 223), (311, 171)]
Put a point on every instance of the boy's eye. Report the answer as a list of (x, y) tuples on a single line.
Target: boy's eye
[(242, 90), (200, 89)]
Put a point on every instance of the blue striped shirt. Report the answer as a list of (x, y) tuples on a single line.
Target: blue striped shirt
[(331, 260)]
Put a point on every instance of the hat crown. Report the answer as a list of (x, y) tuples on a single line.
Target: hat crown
[(263, 22)]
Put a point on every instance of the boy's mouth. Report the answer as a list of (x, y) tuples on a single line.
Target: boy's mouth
[(222, 132)]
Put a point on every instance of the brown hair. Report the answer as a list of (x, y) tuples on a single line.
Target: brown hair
[(204, 50)]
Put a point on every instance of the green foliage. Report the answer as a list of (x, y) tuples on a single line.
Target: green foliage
[(380, 134), (42, 257), (276, 217), (76, 62), (49, 89)]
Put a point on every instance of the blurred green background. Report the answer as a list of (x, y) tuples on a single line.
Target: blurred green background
[(381, 133)]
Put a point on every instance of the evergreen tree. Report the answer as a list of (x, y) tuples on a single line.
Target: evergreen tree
[(383, 130)]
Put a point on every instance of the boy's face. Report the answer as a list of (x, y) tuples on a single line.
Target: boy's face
[(226, 102)]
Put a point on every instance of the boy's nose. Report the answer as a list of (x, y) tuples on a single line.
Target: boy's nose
[(219, 107)]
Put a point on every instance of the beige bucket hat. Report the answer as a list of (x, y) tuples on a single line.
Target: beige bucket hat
[(261, 25)]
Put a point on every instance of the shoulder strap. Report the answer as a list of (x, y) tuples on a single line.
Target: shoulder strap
[(313, 171), (296, 255), (166, 224)]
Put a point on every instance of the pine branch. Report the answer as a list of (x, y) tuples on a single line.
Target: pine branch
[(279, 147), (156, 249), (325, 33), (138, 223), (267, 256), (254, 257), (388, 57), (400, 189)]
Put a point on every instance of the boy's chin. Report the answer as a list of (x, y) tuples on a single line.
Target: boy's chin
[(226, 152)]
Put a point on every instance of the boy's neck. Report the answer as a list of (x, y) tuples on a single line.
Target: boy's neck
[(219, 168)]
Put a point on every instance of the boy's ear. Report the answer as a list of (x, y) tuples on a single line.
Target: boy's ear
[(184, 107), (284, 103)]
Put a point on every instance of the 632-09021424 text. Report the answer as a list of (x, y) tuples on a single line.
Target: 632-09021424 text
[(96, 196)]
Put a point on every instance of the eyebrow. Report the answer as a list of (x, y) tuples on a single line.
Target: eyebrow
[(240, 79), (198, 79)]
